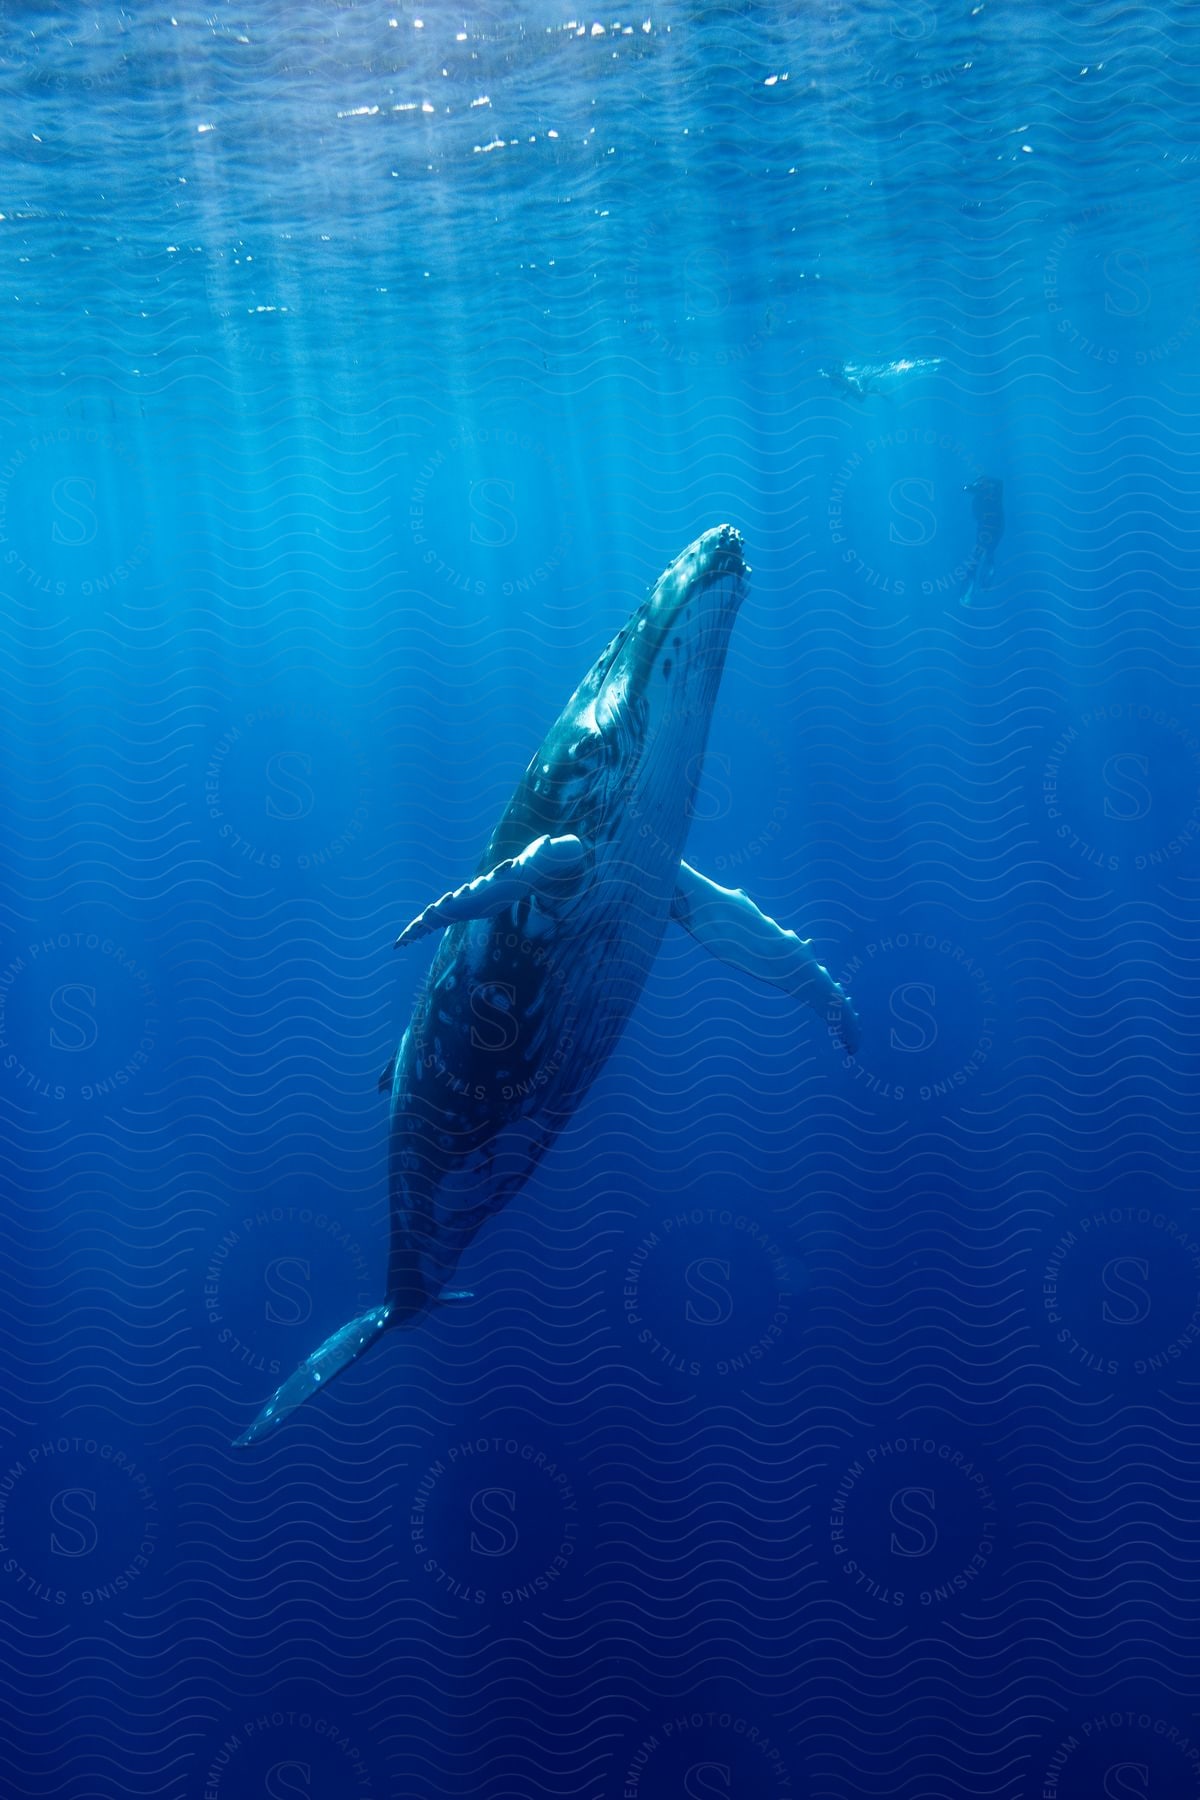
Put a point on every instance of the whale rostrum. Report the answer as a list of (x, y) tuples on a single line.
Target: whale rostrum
[(545, 951)]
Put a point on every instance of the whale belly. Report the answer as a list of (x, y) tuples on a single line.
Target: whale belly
[(515, 1023)]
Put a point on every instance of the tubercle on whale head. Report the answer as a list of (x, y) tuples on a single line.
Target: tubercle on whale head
[(716, 556), (686, 618), (683, 630), (665, 660)]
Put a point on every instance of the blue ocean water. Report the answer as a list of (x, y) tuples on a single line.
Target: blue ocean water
[(822, 1426)]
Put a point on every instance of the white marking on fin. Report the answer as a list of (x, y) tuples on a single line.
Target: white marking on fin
[(549, 869), (338, 1351), (726, 922)]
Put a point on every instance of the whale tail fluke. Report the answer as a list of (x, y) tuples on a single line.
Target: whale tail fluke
[(345, 1346), (338, 1351)]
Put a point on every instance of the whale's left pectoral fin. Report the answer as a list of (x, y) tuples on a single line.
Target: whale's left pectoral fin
[(550, 869), (729, 925)]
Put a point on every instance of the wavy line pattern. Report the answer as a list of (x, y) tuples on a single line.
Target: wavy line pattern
[(823, 1426)]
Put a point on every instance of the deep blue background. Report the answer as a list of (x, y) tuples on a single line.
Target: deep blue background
[(820, 1428)]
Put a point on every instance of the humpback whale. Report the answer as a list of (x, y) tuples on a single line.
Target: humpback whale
[(544, 953), (857, 380)]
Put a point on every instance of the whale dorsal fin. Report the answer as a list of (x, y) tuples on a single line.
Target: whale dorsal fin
[(549, 869), (387, 1077)]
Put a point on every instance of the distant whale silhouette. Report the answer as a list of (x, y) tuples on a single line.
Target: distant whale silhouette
[(545, 953), (988, 507), (857, 380)]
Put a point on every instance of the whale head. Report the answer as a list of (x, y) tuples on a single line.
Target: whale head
[(669, 655), (630, 740), (641, 713)]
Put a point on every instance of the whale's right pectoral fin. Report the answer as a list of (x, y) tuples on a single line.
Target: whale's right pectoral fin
[(549, 869), (729, 925)]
